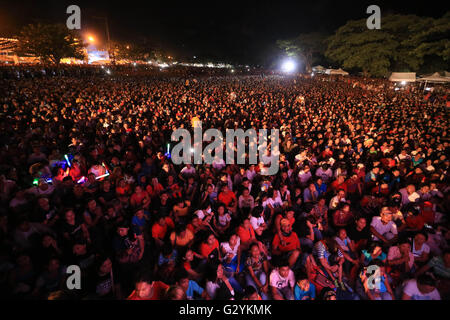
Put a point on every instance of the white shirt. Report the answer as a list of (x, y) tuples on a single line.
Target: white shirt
[(383, 228), (227, 248), (218, 164), (279, 282), (334, 202), (188, 171), (250, 174), (304, 176), (223, 220), (417, 253), (411, 290), (256, 222)]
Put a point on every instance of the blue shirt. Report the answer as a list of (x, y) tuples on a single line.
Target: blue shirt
[(299, 294), (368, 256), (192, 289), (322, 188), (138, 222), (162, 259)]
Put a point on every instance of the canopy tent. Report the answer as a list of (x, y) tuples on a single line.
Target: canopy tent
[(336, 72), (435, 78), (403, 76), (318, 69)]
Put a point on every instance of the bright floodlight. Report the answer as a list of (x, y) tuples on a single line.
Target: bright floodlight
[(403, 83), (288, 66)]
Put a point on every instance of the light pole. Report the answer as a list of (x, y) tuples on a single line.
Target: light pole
[(110, 53)]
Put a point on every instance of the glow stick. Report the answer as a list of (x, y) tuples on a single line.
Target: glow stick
[(106, 168), (102, 176), (67, 160)]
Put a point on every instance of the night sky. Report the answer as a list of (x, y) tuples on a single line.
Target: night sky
[(230, 31)]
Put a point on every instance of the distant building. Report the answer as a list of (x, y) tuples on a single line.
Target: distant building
[(8, 55)]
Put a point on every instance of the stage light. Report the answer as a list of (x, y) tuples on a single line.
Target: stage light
[(288, 66), (403, 83)]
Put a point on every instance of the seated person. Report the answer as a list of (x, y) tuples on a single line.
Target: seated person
[(221, 220), (375, 282), (218, 285), (192, 263), (228, 198), (191, 288), (347, 247), (247, 236), (282, 282), (181, 209), (258, 221), (342, 217), (286, 245), (209, 248), (422, 288), (373, 252), (181, 236), (330, 259), (383, 228), (413, 222), (257, 270), (304, 289), (420, 249), (148, 289), (250, 293), (231, 252), (439, 266), (166, 263), (401, 261), (359, 232)]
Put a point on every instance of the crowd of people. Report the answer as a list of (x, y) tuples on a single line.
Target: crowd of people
[(357, 210)]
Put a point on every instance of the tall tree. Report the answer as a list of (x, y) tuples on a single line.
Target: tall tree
[(134, 52), (432, 38), (394, 47), (307, 47), (49, 42)]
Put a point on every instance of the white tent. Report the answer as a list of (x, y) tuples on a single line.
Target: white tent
[(434, 78), (403, 76), (318, 69), (336, 72)]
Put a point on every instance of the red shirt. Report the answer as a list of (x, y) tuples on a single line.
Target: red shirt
[(227, 198), (205, 249), (159, 232), (246, 235), (416, 223), (138, 198), (159, 288), (291, 243), (190, 227), (427, 212), (336, 186)]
